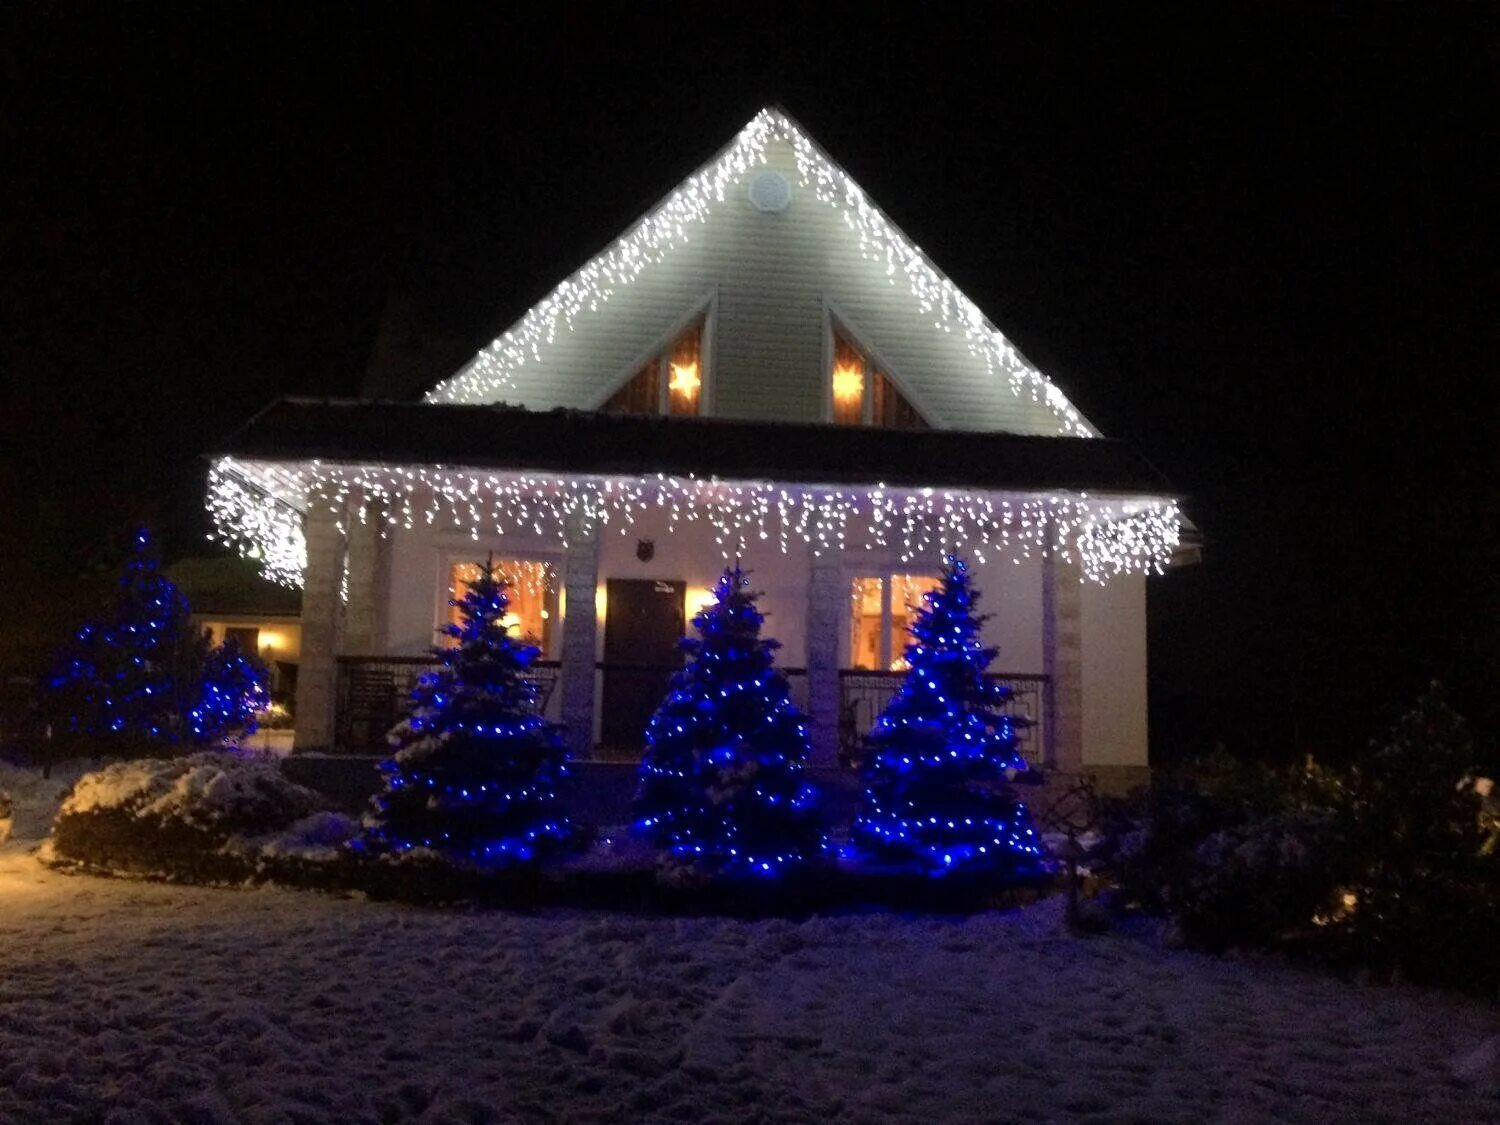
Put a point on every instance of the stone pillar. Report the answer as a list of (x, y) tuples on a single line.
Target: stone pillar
[(364, 632), (825, 597), (580, 631), (1062, 663), (316, 670)]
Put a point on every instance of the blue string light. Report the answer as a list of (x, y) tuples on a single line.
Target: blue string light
[(721, 783), (147, 672), (477, 772), (942, 753)]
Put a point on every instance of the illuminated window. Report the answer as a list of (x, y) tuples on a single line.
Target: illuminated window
[(532, 589), (880, 611), (669, 383), (864, 395)]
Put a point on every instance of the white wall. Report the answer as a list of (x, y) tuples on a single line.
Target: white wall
[(690, 555), (418, 562), (772, 274), (1114, 673), (1114, 624)]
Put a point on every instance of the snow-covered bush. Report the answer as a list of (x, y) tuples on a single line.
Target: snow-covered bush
[(321, 836), (1233, 853), (1423, 891), (1391, 863), (1267, 881), (152, 812)]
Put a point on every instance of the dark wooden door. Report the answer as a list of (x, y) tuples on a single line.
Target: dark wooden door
[(643, 621)]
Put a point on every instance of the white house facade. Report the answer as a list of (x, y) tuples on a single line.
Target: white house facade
[(762, 368)]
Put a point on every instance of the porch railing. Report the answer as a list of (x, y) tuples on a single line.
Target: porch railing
[(864, 693), (373, 692)]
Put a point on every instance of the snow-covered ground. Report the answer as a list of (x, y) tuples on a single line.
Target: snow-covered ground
[(155, 1002)]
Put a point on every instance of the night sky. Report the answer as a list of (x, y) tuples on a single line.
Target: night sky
[(1261, 249)]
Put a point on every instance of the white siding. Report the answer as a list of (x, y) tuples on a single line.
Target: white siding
[(1114, 673), (773, 275)]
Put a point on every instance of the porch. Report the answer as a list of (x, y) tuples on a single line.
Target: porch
[(613, 529), (372, 693)]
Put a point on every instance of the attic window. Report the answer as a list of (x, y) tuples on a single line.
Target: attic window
[(864, 395), (670, 382)]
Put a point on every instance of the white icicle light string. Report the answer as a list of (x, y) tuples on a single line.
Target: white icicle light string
[(257, 508), (490, 373)]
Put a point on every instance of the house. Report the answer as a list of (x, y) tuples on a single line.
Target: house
[(765, 368), (230, 598)]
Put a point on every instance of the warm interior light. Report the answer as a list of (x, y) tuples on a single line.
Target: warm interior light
[(271, 640), (601, 602), (848, 383), (529, 583), (699, 598), (685, 380)]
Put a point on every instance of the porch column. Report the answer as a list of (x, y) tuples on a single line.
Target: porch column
[(316, 672), (363, 633), (824, 599), (580, 632), (1062, 663)]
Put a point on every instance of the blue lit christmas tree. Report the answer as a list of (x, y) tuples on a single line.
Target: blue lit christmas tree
[(943, 752), (231, 690), (476, 774), (722, 786), (145, 673)]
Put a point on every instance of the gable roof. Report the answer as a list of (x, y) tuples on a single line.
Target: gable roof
[(666, 227), (573, 441)]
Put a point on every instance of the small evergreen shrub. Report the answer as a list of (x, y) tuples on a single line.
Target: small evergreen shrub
[(478, 774), (723, 788), (175, 815), (1422, 894), (141, 676), (1391, 865), (939, 796)]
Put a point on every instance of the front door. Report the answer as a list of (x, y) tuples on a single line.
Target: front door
[(643, 621)]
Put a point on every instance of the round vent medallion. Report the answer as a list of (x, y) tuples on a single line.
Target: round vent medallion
[(769, 191)]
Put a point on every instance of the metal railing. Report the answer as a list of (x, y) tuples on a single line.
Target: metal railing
[(864, 693), (373, 693)]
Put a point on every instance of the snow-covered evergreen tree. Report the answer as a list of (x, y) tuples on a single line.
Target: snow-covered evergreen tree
[(943, 751), (722, 782), (477, 770)]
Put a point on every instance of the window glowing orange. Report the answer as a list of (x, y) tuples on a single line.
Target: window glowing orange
[(848, 383), (865, 598), (881, 609), (531, 588), (670, 382), (906, 598), (863, 395), (684, 371)]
